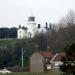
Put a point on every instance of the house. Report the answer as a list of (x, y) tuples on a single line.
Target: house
[(40, 61), (56, 61), (22, 32), (36, 63)]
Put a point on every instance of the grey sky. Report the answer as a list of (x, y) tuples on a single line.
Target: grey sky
[(15, 12)]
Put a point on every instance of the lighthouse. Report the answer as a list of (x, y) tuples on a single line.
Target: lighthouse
[(31, 25)]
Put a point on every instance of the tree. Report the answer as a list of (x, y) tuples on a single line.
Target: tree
[(8, 33), (4, 33), (13, 32), (69, 19), (41, 41), (68, 65)]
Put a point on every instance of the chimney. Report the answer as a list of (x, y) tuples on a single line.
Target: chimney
[(23, 27), (19, 26), (46, 25), (39, 26)]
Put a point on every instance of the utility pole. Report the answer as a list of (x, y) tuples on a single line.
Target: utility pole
[(22, 57)]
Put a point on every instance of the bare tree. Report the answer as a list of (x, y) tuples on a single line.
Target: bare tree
[(69, 19)]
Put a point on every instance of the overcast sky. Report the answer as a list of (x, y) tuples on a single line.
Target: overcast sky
[(15, 12)]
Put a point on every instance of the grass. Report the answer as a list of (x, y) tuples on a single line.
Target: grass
[(27, 73)]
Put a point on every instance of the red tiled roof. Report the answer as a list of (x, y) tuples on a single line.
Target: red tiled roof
[(46, 54)]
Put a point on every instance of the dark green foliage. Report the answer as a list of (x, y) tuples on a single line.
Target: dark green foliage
[(68, 65), (4, 33), (13, 32), (10, 52), (8, 33)]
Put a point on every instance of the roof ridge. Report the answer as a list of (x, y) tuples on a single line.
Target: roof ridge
[(54, 57)]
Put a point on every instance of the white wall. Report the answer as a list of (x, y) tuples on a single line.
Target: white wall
[(31, 28), (21, 33)]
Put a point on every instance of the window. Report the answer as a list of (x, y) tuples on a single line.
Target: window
[(20, 31), (29, 35), (47, 61)]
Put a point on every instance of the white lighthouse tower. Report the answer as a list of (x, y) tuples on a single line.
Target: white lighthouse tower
[(31, 26)]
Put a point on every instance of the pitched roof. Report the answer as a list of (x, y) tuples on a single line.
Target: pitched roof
[(57, 57), (46, 54)]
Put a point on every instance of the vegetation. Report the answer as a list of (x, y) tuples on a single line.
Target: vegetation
[(28, 73), (68, 65), (6, 33), (10, 52), (55, 38)]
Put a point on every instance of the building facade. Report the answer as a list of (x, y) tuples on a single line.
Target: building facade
[(40, 61), (31, 28), (36, 63), (21, 32), (28, 30)]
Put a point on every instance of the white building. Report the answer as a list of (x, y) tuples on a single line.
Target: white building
[(31, 26), (30, 29), (21, 32)]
